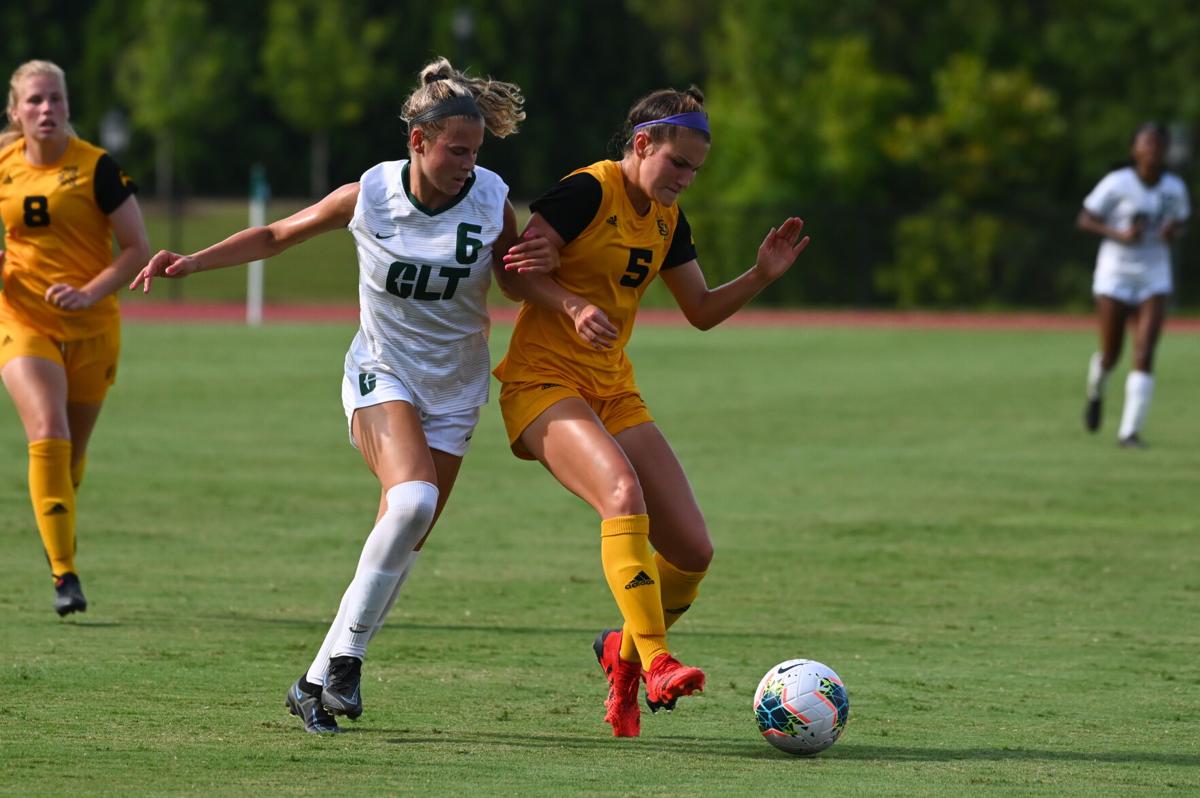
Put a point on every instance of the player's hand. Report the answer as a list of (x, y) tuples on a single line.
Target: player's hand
[(533, 253), (1133, 233), (1, 259), (68, 297), (1171, 230), (593, 326), (164, 264), (780, 249)]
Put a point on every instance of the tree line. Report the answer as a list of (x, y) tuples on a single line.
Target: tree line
[(939, 151)]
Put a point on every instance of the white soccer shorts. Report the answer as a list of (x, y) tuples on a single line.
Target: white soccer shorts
[(449, 433), (1132, 287)]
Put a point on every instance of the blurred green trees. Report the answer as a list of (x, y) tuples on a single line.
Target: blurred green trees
[(939, 151)]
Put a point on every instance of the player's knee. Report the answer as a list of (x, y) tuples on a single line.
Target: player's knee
[(624, 496), (411, 505), (405, 522)]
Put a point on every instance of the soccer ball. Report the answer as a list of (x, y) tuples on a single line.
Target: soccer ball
[(801, 707)]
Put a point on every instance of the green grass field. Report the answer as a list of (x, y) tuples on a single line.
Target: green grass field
[(1011, 602)]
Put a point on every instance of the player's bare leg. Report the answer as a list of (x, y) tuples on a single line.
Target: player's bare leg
[(1112, 316)]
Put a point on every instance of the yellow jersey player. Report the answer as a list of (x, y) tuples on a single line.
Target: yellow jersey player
[(61, 200), (569, 398)]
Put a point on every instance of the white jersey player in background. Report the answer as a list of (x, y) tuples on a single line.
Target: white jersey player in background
[(1138, 210), (428, 232)]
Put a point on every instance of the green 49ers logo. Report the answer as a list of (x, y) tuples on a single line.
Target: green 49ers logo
[(366, 383)]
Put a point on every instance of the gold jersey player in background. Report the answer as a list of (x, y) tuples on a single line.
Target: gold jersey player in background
[(569, 398), (61, 200)]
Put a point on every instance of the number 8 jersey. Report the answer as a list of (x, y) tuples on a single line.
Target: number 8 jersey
[(57, 230), (423, 282)]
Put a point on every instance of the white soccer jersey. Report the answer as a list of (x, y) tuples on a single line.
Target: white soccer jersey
[(1118, 199), (423, 283)]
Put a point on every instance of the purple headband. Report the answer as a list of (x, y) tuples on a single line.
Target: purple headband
[(696, 120)]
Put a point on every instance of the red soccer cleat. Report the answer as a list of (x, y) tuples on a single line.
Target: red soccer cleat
[(668, 680), (622, 712)]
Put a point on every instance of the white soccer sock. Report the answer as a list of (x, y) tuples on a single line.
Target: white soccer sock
[(1097, 377), (385, 555), (320, 665), (1139, 389), (408, 566)]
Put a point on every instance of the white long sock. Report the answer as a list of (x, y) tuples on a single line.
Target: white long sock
[(320, 665), (1139, 390), (408, 566), (1097, 377), (410, 509)]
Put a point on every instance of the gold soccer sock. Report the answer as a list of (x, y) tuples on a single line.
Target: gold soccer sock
[(678, 589), (77, 468), (53, 501), (633, 579)]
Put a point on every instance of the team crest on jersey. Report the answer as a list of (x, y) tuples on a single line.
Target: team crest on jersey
[(366, 383), (69, 176), (662, 228)]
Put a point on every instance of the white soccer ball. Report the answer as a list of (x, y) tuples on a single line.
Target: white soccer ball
[(801, 707)]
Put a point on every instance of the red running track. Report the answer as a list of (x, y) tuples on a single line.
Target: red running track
[(885, 319)]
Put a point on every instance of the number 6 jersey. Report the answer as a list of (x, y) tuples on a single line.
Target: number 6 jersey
[(423, 278)]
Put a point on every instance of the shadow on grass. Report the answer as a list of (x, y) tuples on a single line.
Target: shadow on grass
[(82, 624), (755, 749)]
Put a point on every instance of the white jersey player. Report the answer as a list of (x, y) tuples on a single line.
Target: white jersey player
[(429, 232), (1138, 210)]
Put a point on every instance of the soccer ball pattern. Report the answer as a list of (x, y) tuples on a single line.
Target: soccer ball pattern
[(801, 707)]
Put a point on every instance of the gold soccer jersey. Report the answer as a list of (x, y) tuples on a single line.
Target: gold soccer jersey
[(57, 230), (611, 255)]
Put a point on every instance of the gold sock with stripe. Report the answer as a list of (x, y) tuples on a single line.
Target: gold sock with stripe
[(678, 589), (53, 501), (633, 579), (77, 469)]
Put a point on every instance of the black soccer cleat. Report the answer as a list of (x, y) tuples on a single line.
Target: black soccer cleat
[(1091, 415), (304, 701), (342, 694), (1132, 442), (68, 595)]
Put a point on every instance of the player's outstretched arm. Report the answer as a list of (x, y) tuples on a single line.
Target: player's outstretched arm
[(706, 307), (256, 243)]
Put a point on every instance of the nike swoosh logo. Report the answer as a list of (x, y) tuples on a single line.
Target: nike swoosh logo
[(381, 237), (789, 667)]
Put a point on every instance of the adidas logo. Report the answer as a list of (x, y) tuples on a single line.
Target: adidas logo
[(612, 220), (60, 509), (641, 580)]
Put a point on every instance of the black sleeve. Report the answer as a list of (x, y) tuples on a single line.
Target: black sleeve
[(571, 205), (683, 248), (112, 185)]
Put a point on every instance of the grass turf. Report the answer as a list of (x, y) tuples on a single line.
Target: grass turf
[(1010, 601)]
